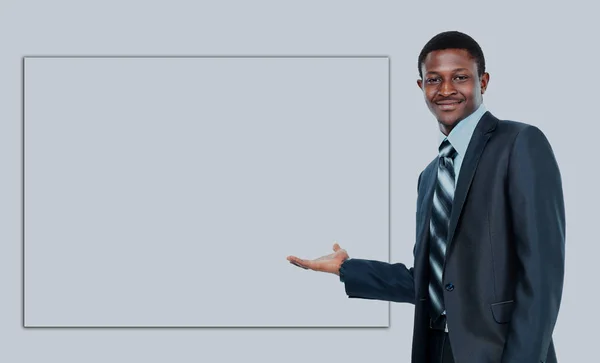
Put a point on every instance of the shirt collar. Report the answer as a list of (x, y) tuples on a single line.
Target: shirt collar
[(460, 136)]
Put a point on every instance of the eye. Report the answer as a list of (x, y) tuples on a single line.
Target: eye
[(461, 78), (432, 80)]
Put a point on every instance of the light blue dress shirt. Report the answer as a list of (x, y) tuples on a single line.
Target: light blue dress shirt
[(460, 136)]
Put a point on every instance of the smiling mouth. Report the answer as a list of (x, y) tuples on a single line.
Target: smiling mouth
[(448, 105)]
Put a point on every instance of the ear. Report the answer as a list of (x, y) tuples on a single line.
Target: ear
[(485, 79), (420, 83)]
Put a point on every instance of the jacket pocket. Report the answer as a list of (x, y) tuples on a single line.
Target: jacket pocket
[(502, 311)]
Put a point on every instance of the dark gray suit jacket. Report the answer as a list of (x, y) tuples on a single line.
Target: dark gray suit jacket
[(505, 257)]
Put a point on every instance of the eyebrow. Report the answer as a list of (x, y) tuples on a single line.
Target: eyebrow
[(454, 70)]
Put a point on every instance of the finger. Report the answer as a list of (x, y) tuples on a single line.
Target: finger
[(297, 264), (294, 259), (336, 247)]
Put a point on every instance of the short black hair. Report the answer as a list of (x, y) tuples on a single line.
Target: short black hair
[(453, 40)]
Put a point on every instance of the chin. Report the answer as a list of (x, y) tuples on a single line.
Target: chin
[(448, 120)]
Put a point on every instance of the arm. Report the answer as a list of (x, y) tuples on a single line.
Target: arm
[(538, 217), (367, 279)]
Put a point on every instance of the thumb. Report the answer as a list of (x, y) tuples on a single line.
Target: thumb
[(336, 247)]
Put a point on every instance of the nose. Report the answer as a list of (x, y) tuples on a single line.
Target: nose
[(446, 89)]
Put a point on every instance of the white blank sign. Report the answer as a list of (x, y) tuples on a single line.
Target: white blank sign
[(168, 191)]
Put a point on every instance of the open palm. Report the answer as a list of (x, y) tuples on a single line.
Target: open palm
[(329, 263)]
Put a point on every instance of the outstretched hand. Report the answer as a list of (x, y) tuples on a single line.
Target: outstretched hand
[(330, 263)]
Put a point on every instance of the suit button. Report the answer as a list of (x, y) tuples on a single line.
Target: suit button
[(449, 287)]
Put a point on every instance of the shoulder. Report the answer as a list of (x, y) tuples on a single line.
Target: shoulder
[(526, 144), (511, 134), (523, 133), (426, 173), (515, 128), (511, 127)]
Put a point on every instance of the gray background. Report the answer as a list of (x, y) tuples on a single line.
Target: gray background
[(541, 58), (168, 191)]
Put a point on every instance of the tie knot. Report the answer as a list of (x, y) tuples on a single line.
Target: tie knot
[(447, 150)]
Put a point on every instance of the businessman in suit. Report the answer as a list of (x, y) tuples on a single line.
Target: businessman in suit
[(490, 228)]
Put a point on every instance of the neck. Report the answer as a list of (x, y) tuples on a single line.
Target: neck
[(446, 129)]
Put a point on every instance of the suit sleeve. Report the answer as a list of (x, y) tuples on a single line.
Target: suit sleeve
[(538, 220), (377, 280), (368, 279)]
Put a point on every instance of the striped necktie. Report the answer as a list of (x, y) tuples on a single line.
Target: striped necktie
[(438, 225)]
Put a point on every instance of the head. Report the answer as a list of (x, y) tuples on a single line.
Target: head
[(452, 77)]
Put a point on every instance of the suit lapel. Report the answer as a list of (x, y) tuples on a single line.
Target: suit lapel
[(480, 137)]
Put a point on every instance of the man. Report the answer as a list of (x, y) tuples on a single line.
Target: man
[(489, 254)]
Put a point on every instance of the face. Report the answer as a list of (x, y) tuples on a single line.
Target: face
[(451, 86)]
